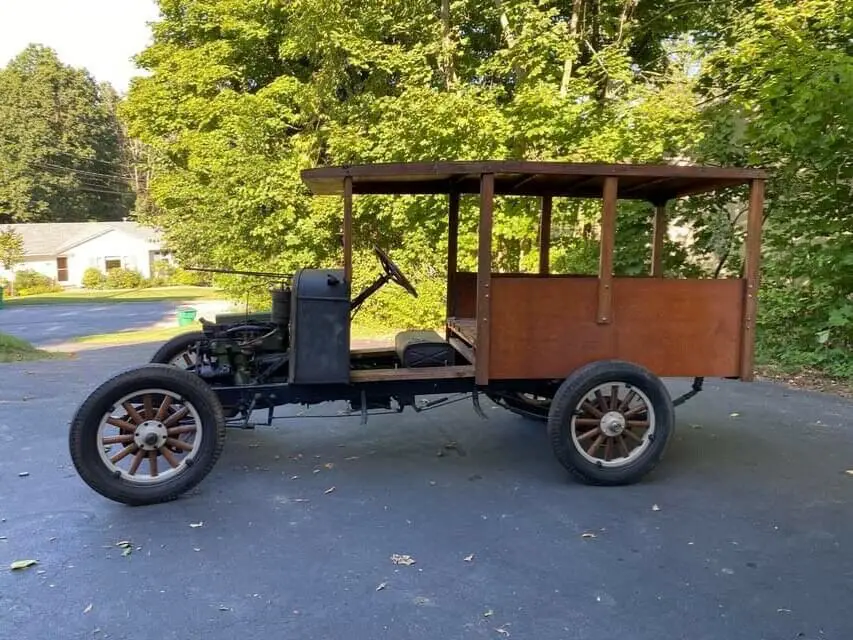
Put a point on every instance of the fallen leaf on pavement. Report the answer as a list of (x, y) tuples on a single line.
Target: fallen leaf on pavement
[(196, 525), (502, 631), (469, 558), (588, 535), (488, 613), (849, 472), (351, 458), (22, 564), (88, 609), (402, 559), (734, 415), (23, 474), (655, 507), (329, 490), (329, 465), (381, 586), (222, 607)]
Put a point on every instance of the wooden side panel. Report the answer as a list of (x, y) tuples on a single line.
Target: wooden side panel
[(546, 327), (465, 294)]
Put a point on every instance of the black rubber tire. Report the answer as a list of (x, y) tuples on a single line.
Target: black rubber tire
[(174, 346), (572, 391), (83, 440)]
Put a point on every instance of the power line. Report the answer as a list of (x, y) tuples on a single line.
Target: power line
[(79, 157), (115, 193), (47, 165)]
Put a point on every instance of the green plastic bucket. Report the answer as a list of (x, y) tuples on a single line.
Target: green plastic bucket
[(186, 316)]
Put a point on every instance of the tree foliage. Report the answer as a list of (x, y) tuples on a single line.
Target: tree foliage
[(11, 248), (60, 143), (243, 94)]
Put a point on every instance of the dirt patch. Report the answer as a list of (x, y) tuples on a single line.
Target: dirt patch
[(808, 380)]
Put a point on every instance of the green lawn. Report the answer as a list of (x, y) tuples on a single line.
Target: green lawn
[(137, 336), (152, 294), (161, 334), (14, 349)]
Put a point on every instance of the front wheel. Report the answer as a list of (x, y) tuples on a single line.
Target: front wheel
[(147, 435), (610, 422)]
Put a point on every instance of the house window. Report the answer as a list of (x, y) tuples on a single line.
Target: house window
[(62, 269), (112, 263)]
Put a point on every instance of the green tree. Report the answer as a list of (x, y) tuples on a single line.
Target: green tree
[(243, 94), (11, 252), (779, 87), (60, 144)]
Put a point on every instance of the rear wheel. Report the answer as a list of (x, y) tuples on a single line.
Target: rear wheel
[(147, 435), (610, 423)]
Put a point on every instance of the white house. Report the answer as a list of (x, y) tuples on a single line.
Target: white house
[(64, 250)]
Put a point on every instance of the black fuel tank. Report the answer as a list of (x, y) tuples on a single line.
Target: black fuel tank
[(319, 321)]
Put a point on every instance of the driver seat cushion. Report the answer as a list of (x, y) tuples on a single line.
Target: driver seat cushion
[(417, 348)]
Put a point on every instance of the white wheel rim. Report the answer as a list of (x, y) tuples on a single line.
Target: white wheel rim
[(186, 359), (613, 433), (149, 436)]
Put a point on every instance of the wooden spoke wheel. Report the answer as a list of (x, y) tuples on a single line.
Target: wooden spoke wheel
[(610, 422), (613, 424), (147, 435), (528, 405), (180, 351), (150, 435)]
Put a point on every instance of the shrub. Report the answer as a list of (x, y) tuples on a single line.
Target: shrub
[(392, 307), (124, 279), (94, 278), (162, 272), (30, 283), (190, 278)]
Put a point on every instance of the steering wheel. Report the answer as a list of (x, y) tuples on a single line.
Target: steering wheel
[(393, 271)]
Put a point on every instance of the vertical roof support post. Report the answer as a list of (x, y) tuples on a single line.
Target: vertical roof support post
[(452, 252), (608, 239), (348, 229), (659, 234), (545, 236), (484, 279), (752, 273)]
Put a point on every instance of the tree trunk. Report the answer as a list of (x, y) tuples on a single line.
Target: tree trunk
[(574, 24), (447, 46), (508, 34)]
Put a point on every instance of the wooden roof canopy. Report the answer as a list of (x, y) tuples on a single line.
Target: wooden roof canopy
[(654, 183)]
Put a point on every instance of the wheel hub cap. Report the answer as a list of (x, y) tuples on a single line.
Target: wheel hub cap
[(612, 423), (150, 435)]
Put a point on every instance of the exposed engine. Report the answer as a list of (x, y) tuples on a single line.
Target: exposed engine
[(245, 349)]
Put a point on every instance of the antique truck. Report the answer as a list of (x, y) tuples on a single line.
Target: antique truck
[(585, 354)]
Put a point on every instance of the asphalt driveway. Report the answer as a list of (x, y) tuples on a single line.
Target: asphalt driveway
[(53, 324), (744, 532)]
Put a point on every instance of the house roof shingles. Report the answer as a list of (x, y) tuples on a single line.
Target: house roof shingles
[(54, 238)]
